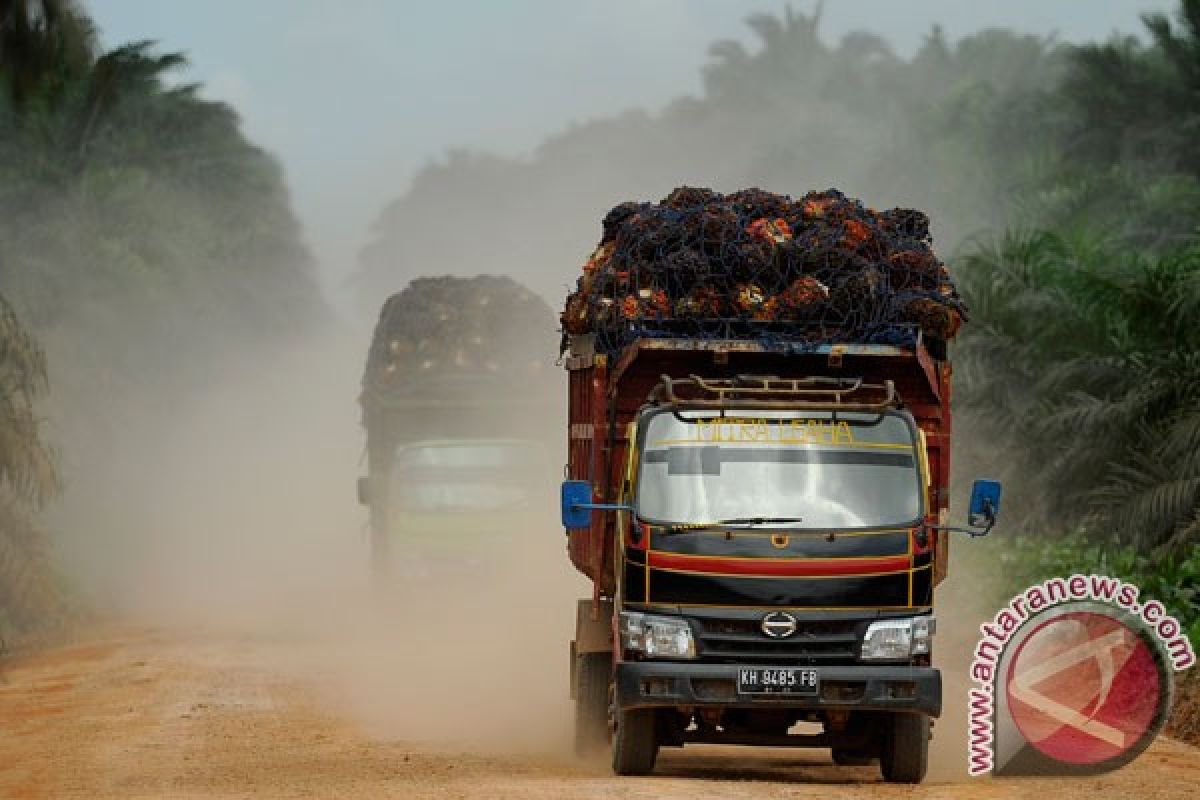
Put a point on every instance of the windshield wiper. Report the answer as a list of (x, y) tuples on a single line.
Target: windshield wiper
[(760, 520), (687, 527)]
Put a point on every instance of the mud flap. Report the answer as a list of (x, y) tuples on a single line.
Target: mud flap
[(593, 627)]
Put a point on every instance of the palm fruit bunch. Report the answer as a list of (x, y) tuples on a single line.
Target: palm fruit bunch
[(758, 264), (485, 324)]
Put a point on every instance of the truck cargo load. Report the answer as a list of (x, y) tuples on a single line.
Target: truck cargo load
[(756, 265)]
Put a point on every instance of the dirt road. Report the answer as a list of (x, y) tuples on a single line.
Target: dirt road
[(146, 715)]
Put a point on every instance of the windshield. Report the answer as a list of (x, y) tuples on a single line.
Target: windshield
[(797, 469), (465, 475)]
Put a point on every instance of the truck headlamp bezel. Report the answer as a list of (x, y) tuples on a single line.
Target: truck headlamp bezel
[(898, 639), (656, 636)]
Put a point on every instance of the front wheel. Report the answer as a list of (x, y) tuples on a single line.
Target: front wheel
[(905, 755), (635, 742)]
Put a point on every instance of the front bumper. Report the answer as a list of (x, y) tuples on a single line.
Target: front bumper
[(651, 684)]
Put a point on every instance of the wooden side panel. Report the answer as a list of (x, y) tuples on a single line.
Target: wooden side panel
[(579, 453), (941, 472), (593, 458)]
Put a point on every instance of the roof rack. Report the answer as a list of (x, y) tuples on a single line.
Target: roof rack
[(768, 391)]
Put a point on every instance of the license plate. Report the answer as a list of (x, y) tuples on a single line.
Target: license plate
[(777, 680)]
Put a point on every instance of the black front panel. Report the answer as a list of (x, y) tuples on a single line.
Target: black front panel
[(922, 580), (781, 544), (635, 577), (875, 591)]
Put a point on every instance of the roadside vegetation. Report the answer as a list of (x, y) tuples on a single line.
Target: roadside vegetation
[(1082, 362), (144, 244), (30, 597)]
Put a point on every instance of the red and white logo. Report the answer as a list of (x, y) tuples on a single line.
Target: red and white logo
[(1075, 677), (1084, 688)]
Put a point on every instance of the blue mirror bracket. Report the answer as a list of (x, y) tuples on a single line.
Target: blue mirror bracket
[(974, 532)]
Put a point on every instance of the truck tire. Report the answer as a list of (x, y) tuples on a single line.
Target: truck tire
[(635, 742), (379, 539), (592, 674), (905, 754)]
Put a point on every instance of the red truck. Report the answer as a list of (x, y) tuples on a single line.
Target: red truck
[(764, 524)]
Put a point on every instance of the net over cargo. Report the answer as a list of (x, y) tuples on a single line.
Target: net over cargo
[(758, 265)]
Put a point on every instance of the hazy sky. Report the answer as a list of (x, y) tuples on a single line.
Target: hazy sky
[(355, 95)]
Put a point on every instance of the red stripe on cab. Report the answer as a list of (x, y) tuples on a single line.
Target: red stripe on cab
[(789, 567)]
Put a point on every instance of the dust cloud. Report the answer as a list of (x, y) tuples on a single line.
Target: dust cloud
[(238, 518), (960, 607), (968, 597)]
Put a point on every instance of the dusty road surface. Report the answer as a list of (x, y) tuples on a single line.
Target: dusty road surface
[(151, 715)]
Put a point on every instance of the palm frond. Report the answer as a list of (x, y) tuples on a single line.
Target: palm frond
[(1146, 501), (26, 465)]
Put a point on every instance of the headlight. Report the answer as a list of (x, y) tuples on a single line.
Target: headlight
[(898, 639), (657, 637)]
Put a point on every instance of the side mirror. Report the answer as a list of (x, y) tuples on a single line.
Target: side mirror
[(985, 503), (576, 505), (364, 490), (981, 516)]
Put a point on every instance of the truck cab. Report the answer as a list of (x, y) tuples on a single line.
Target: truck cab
[(451, 463), (449, 502), (776, 532)]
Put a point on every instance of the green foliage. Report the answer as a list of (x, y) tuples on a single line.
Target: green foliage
[(45, 45), (28, 594), (31, 596), (122, 190), (1082, 359), (1173, 580), (1084, 363), (27, 474), (144, 242), (1130, 102), (1125, 128), (1083, 344)]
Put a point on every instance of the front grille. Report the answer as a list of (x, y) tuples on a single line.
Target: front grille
[(741, 640)]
